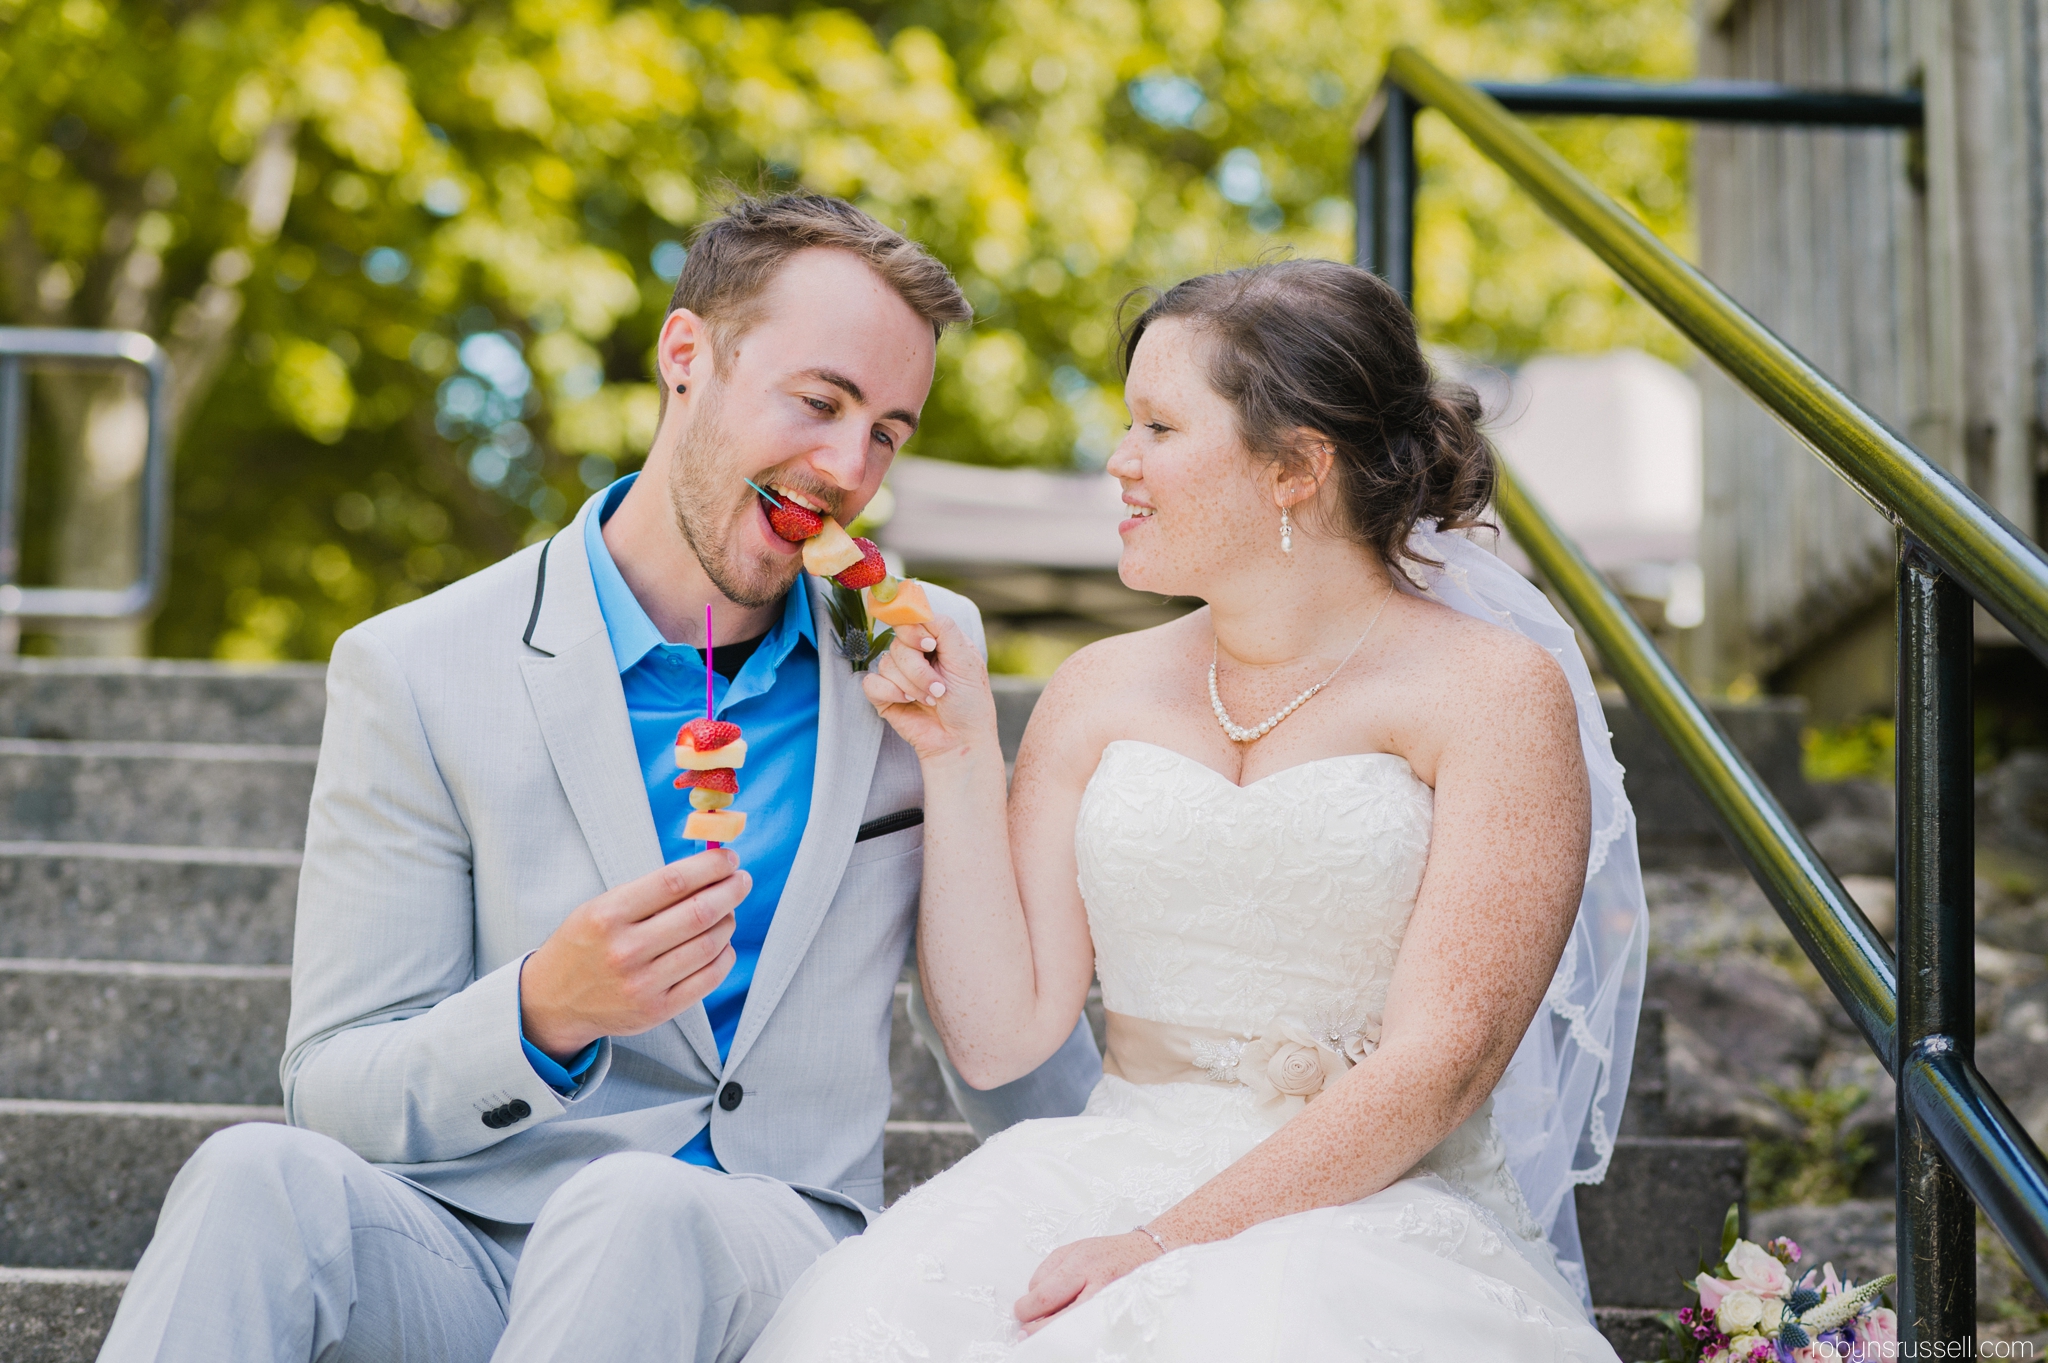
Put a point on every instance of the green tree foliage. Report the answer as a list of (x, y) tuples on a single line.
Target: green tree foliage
[(410, 257)]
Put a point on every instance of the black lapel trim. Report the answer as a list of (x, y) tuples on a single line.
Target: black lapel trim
[(540, 585), (889, 823)]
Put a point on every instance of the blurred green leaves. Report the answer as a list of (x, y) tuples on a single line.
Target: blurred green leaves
[(411, 256)]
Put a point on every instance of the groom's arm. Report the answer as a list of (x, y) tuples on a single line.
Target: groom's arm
[(395, 1048)]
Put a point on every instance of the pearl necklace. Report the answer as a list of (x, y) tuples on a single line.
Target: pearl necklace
[(1237, 733)]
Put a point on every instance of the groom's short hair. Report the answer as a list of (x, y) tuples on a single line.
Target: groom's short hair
[(735, 256)]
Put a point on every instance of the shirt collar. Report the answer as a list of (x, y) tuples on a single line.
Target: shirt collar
[(633, 635)]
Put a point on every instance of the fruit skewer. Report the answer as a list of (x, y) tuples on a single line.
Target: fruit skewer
[(850, 561), (710, 752)]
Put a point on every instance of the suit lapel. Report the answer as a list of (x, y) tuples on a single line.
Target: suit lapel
[(581, 708), (849, 739)]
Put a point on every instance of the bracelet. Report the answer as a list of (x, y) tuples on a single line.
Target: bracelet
[(1153, 1236)]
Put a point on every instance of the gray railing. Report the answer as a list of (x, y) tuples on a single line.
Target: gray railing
[(48, 348)]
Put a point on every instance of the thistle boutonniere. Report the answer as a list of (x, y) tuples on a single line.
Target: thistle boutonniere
[(859, 643)]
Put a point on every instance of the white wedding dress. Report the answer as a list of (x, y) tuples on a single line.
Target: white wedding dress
[(1220, 911)]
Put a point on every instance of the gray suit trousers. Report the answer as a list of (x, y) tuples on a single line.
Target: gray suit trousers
[(277, 1243)]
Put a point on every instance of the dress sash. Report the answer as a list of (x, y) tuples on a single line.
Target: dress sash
[(1286, 1064)]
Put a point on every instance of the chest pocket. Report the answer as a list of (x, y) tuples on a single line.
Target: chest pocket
[(891, 835)]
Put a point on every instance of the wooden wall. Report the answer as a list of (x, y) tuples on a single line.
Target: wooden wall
[(1908, 268)]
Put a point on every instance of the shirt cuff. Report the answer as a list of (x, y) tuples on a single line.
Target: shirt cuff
[(562, 1079)]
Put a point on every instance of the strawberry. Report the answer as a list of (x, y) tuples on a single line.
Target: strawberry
[(794, 523), (705, 735), (723, 779), (868, 571)]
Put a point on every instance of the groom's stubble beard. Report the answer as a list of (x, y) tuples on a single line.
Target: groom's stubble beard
[(703, 508)]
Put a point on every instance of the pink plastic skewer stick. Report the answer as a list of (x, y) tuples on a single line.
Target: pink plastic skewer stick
[(709, 702)]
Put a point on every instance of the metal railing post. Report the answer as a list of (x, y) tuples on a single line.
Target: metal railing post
[(1937, 1228), (1384, 179), (13, 430), (73, 348)]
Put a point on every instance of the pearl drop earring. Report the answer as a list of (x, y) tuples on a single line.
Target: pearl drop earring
[(1286, 532)]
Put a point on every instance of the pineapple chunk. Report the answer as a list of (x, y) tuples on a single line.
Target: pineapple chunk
[(733, 754), (831, 550), (714, 825)]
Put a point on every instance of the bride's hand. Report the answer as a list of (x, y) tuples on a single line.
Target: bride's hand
[(932, 687), (1073, 1273)]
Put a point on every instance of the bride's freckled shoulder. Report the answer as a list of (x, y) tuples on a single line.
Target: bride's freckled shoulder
[(1104, 690), (1461, 683)]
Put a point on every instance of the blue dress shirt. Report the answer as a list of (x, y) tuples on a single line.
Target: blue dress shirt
[(774, 698)]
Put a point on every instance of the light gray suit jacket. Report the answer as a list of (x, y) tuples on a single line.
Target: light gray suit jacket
[(478, 781)]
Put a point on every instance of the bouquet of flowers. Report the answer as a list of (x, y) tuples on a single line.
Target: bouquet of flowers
[(1757, 1307)]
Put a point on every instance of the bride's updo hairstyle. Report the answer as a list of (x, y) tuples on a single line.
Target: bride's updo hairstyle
[(1316, 346)]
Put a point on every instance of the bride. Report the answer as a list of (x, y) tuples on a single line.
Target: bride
[(1345, 848)]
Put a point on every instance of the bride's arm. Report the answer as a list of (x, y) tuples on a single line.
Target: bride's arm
[(1507, 863), (1002, 937)]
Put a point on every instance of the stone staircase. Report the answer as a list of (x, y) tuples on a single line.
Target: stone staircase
[(150, 819)]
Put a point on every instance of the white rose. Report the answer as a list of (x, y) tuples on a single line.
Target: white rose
[(1296, 1070), (1773, 1317), (1740, 1312)]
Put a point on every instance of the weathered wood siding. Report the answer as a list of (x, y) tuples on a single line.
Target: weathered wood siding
[(1906, 268)]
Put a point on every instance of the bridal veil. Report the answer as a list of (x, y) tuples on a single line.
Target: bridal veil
[(1559, 1105)]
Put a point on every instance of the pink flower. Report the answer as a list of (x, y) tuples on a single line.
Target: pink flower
[(1711, 1291), (1757, 1270), (1877, 1326), (1830, 1285)]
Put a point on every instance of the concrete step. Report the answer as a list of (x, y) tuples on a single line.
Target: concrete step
[(129, 1031), (112, 901), (153, 700), (162, 794), (80, 1183), (57, 1315), (913, 1152), (145, 1032), (1646, 1228), (1635, 1334), (60, 1315)]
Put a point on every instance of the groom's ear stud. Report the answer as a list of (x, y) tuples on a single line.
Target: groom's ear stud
[(682, 388)]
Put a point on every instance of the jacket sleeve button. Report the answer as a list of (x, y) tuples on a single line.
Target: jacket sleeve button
[(495, 1118), (729, 1096), (517, 1111)]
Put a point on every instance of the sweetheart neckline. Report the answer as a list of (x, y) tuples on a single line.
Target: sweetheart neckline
[(1269, 776)]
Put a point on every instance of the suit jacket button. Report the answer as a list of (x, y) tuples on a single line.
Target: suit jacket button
[(729, 1096), (495, 1118), (517, 1111)]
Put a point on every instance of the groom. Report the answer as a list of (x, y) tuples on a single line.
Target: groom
[(560, 1084)]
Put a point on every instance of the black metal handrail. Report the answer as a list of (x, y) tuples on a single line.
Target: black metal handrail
[(1956, 1138)]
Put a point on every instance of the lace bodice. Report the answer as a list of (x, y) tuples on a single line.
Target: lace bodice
[(1216, 905), (1253, 908)]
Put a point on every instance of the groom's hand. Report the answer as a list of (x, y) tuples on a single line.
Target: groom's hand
[(634, 957)]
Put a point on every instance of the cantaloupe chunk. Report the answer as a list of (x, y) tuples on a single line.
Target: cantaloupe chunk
[(714, 825), (733, 754), (831, 550), (907, 607)]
